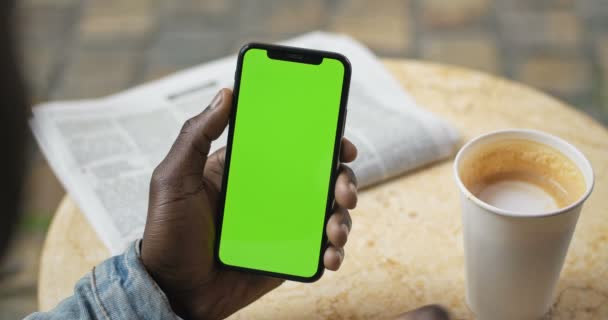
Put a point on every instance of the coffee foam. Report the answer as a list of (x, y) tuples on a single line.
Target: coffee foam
[(518, 196), (522, 176)]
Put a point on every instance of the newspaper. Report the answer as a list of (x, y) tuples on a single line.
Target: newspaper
[(104, 150)]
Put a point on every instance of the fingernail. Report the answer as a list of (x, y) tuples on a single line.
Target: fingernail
[(217, 100)]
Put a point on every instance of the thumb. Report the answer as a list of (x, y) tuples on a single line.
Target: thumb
[(187, 157)]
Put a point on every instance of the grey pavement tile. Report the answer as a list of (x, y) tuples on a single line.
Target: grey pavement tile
[(214, 7), (536, 5), (116, 25), (126, 42), (157, 70), (109, 8), (244, 38), (592, 8), (557, 29), (175, 51), (589, 104), (45, 25), (594, 13), (600, 88), (190, 22), (559, 75), (42, 35), (601, 53), (107, 27), (95, 73), (386, 29), (35, 4), (102, 19), (189, 48), (455, 13), (43, 191), (473, 50), (18, 306), (211, 15), (19, 281), (281, 16), (38, 66)]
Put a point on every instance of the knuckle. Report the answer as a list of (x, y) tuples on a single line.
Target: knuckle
[(345, 168), (342, 238), (347, 220), (350, 173), (187, 126), (157, 175), (345, 215)]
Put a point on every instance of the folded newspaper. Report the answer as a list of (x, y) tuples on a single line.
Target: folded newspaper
[(104, 150)]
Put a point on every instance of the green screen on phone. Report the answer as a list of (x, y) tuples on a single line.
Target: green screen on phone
[(280, 166)]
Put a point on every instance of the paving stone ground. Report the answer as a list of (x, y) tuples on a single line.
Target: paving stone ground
[(82, 49)]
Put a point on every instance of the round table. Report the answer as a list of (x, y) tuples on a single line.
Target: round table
[(405, 248)]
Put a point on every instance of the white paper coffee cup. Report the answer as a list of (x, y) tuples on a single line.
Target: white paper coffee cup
[(513, 261)]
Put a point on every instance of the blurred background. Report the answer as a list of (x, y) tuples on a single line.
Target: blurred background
[(83, 49)]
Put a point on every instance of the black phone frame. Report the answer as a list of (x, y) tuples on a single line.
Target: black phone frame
[(299, 55)]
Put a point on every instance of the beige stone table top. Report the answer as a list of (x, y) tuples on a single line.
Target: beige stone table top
[(405, 248)]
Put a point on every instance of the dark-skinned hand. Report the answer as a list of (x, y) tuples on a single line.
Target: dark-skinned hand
[(178, 242)]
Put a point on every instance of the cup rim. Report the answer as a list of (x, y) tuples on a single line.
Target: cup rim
[(511, 213)]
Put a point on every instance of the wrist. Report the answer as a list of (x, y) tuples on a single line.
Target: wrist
[(189, 302), (197, 305)]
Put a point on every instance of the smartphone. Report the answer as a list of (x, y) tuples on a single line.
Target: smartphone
[(282, 160)]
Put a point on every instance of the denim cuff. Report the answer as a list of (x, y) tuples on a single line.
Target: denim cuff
[(124, 289)]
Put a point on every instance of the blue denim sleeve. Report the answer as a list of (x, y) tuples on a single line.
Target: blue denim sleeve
[(118, 288)]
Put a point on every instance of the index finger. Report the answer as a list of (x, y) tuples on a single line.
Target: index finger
[(185, 162), (191, 147)]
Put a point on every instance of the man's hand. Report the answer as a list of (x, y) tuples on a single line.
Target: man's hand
[(178, 243)]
